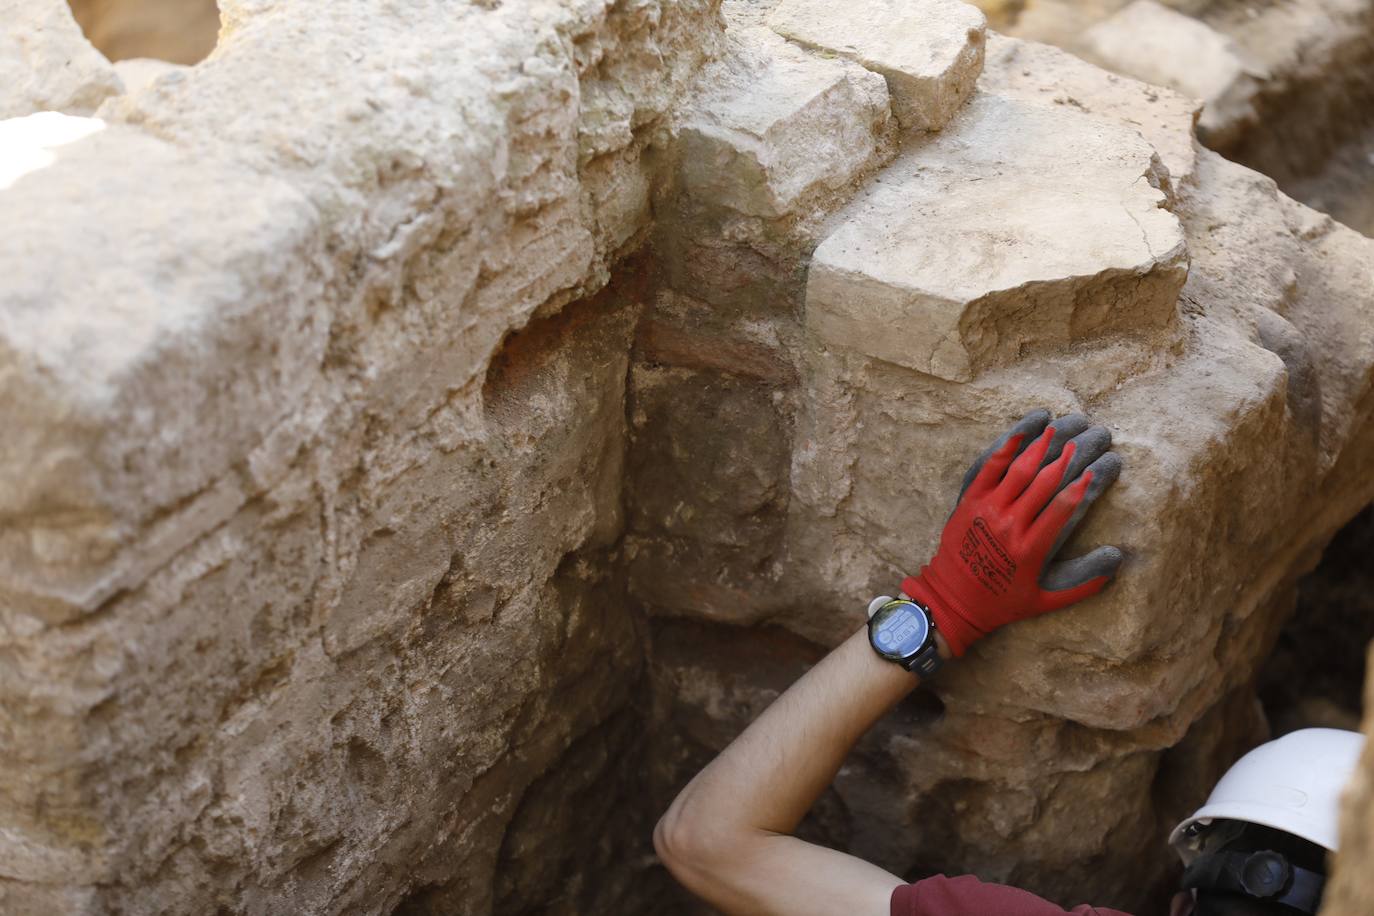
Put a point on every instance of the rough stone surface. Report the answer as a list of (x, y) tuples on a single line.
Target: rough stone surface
[(1320, 89), (1039, 73), (1289, 85), (774, 125), (412, 473), (278, 632), (46, 64), (1151, 42), (1351, 891), (930, 51), (1019, 227)]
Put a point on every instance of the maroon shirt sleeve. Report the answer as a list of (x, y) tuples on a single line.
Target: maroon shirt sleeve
[(967, 896)]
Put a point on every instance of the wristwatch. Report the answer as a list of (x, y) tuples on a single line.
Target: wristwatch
[(902, 631)]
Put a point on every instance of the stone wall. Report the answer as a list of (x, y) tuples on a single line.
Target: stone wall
[(434, 431), (307, 561), (1062, 241)]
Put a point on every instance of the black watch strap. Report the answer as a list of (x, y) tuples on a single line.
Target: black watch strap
[(928, 660)]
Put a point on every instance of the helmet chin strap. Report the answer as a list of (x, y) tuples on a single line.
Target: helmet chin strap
[(1263, 875)]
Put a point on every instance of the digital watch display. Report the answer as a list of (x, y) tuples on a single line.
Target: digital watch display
[(901, 631)]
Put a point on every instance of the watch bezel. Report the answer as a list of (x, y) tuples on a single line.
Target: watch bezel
[(905, 660)]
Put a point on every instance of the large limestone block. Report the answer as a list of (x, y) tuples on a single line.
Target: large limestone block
[(774, 125), (353, 211), (1041, 73), (1154, 43), (154, 324), (46, 64), (1216, 510), (382, 675), (1018, 227), (930, 51)]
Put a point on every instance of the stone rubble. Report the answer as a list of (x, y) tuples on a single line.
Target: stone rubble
[(431, 433)]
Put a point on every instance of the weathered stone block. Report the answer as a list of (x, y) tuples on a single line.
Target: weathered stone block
[(929, 51), (134, 382), (1018, 227), (46, 64), (774, 124), (1154, 43), (1034, 72)]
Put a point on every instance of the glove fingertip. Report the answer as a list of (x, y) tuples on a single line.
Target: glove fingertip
[(1033, 425), (1100, 564), (1108, 561), (1108, 464)]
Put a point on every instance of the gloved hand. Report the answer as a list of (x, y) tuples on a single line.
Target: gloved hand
[(1020, 501)]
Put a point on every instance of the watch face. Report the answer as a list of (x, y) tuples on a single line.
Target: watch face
[(898, 629)]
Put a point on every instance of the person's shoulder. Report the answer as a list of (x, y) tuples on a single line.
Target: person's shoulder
[(965, 895)]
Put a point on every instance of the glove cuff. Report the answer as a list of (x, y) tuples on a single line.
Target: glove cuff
[(953, 624)]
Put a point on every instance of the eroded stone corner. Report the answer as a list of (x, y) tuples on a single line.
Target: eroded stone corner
[(1018, 227), (929, 51)]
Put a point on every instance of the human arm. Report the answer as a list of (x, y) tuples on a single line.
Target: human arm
[(727, 835)]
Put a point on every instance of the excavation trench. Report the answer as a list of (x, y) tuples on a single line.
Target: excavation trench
[(463, 443)]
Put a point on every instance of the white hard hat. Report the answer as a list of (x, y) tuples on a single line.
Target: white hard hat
[(1292, 784)]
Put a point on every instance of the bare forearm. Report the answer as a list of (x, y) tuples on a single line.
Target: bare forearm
[(726, 835), (775, 770)]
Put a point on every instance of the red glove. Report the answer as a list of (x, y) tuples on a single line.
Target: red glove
[(1020, 502)]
